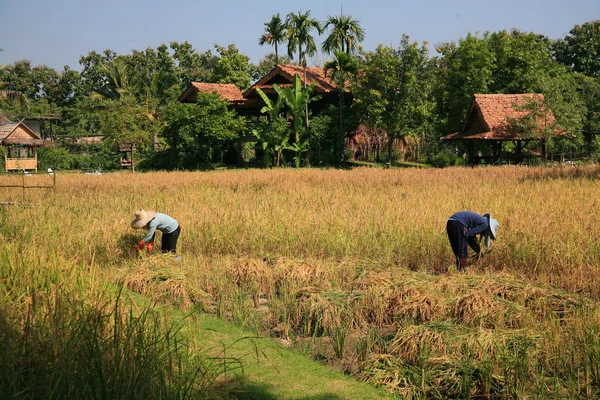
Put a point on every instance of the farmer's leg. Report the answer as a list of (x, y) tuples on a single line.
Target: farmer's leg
[(169, 244), (456, 235)]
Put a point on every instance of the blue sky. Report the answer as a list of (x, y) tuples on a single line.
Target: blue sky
[(57, 32)]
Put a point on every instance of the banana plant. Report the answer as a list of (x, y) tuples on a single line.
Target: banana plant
[(275, 135), (297, 98)]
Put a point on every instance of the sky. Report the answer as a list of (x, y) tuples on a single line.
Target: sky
[(57, 33)]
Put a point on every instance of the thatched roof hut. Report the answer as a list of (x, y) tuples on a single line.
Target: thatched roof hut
[(491, 119), (21, 143)]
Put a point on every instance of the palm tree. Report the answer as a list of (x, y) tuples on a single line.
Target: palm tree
[(122, 80), (341, 69), (299, 25), (274, 34), (299, 38), (345, 34)]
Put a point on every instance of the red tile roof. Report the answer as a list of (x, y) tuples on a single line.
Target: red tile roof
[(227, 91), (489, 117), (287, 71)]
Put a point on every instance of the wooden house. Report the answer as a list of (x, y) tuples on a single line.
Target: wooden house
[(21, 144), (283, 75), (494, 119), (250, 103)]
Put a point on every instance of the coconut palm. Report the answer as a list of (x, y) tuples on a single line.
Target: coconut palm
[(345, 34), (274, 34)]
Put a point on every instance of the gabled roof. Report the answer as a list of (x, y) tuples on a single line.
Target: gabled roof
[(227, 91), (490, 114), (19, 133), (283, 75)]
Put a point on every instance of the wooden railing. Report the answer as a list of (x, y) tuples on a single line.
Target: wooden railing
[(21, 164)]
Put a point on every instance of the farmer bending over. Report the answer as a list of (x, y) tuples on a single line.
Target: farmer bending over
[(152, 221), (463, 228)]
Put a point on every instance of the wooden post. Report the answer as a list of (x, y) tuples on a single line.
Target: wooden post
[(543, 143)]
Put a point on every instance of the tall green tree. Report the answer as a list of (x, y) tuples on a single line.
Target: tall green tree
[(580, 49), (195, 133), (190, 66), (274, 34), (232, 67), (408, 90), (346, 33), (521, 61), (464, 69), (369, 102), (299, 27), (298, 34), (93, 78), (342, 69)]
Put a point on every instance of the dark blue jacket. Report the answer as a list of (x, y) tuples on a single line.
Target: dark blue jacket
[(474, 222)]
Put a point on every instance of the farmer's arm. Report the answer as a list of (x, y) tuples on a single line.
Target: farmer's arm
[(477, 224), (151, 230), (477, 229)]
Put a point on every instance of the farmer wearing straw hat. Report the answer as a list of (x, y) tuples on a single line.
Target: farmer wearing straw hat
[(152, 221), (463, 228)]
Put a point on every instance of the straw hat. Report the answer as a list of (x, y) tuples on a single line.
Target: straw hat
[(142, 218), (490, 233)]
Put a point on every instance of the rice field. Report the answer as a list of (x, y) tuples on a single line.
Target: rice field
[(351, 267)]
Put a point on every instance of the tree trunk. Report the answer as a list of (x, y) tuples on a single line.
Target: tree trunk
[(306, 116)]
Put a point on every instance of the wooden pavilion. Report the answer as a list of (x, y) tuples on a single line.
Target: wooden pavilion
[(21, 145), (493, 119)]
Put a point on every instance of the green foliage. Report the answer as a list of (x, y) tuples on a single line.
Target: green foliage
[(55, 158), (580, 49), (346, 33), (393, 93), (297, 99), (274, 34), (194, 131), (443, 159), (274, 136), (298, 34), (267, 63), (341, 69), (232, 67)]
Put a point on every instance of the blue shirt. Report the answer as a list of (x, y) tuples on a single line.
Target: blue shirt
[(163, 223), (474, 222)]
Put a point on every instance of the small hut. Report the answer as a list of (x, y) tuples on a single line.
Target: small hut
[(21, 144), (127, 151), (493, 119)]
